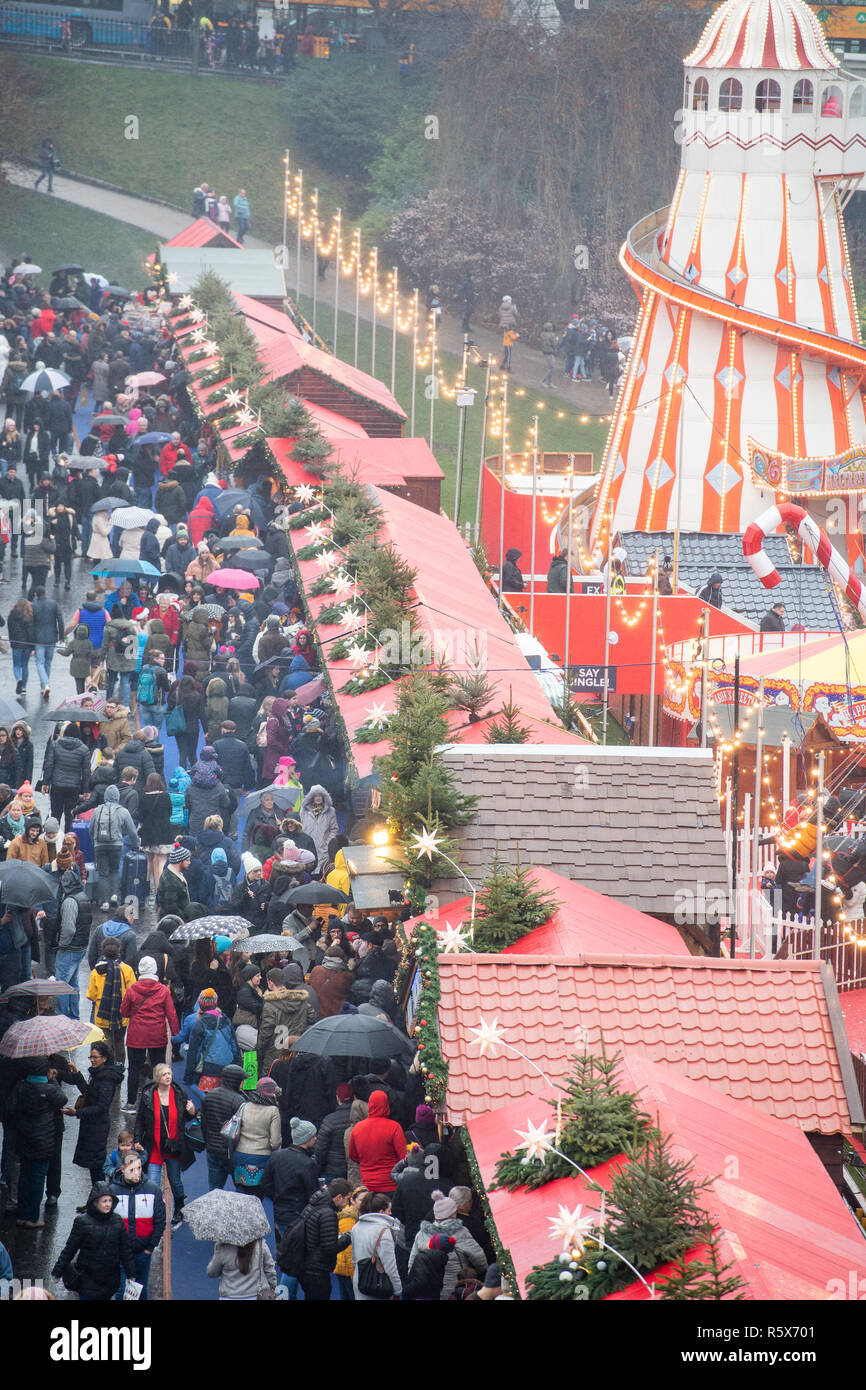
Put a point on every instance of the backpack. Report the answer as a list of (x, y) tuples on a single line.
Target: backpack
[(103, 825), (146, 692), (292, 1254), (262, 735), (223, 889), (217, 1049)]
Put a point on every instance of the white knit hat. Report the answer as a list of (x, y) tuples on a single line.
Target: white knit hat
[(147, 968), (250, 863)]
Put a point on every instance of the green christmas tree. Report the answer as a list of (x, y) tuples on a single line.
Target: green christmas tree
[(508, 728), (509, 906), (599, 1121), (705, 1278), (473, 691), (653, 1212)]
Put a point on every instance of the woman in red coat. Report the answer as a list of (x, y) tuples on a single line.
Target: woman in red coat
[(160, 1134), (376, 1144), (201, 519), (148, 1006)]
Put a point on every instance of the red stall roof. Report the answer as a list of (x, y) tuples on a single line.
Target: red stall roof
[(782, 1221), (459, 613), (768, 1032), (584, 921), (203, 232), (265, 318)]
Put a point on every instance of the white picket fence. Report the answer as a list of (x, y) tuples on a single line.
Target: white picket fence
[(766, 932)]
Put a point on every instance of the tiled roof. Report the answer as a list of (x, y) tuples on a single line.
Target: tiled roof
[(203, 232), (640, 825), (781, 1219), (804, 589), (768, 1032), (583, 921)]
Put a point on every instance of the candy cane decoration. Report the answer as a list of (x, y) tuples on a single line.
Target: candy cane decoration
[(786, 513)]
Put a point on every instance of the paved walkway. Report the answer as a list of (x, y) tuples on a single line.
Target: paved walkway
[(166, 222)]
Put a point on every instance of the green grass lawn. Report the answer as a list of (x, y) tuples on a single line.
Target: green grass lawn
[(229, 132), (52, 232), (555, 434)]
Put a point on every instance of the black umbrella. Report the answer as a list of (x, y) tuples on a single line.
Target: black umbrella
[(84, 462), (25, 885), (108, 504), (69, 269), (116, 292), (108, 420), (77, 714), (170, 583), (8, 713), (230, 543), (315, 893), (42, 989), (227, 499), (282, 661), (353, 1035), (255, 561), (68, 301)]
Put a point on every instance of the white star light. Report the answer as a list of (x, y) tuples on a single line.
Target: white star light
[(234, 398), (358, 655), (537, 1140), (197, 314), (172, 277), (211, 347), (488, 1036), (305, 493), (425, 843), (317, 531), (570, 1228), (185, 301), (378, 716), (343, 583), (452, 940), (246, 418), (327, 560), (198, 335), (350, 617)]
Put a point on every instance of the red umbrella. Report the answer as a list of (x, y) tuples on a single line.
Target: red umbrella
[(233, 579)]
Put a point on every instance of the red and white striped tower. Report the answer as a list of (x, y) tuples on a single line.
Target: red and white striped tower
[(744, 382)]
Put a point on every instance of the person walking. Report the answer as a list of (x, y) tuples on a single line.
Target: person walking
[(212, 1045), (285, 1013), (290, 1177), (322, 1239), (141, 1207), (120, 654), (155, 827), (38, 552), (93, 1109), (466, 1252), (374, 1237), (259, 1136), (244, 1271), (217, 1107), (160, 1136), (152, 1021), (153, 685), (549, 346), (98, 1249), (48, 631), (109, 824), (65, 773), (33, 1113), (48, 162), (508, 324), (376, 1144), (110, 978), (76, 919), (22, 640)]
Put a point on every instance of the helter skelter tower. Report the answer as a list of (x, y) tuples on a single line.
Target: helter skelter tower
[(745, 382)]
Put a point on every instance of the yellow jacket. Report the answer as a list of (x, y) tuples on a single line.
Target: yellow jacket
[(97, 985), (339, 875), (344, 1259)]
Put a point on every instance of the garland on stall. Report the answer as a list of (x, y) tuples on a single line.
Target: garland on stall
[(503, 1255), (422, 952)]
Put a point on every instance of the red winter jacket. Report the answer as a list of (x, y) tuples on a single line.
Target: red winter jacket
[(170, 620), (147, 1004), (202, 518), (377, 1143), (168, 456)]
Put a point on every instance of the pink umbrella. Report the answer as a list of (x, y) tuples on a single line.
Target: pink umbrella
[(233, 579)]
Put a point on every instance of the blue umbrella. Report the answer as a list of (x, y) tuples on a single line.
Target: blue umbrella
[(140, 567), (155, 437), (228, 498)]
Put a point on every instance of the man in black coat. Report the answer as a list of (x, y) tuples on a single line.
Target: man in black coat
[(290, 1177), (330, 1150), (234, 758), (48, 631), (412, 1203), (12, 490), (133, 753), (66, 775), (323, 1241), (35, 1108), (774, 620)]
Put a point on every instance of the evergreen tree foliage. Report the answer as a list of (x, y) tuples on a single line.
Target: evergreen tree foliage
[(599, 1121), (415, 783), (509, 905), (706, 1278), (508, 728)]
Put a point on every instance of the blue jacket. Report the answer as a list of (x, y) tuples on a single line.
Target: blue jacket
[(212, 1046)]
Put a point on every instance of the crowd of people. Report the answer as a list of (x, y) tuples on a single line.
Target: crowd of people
[(199, 773)]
